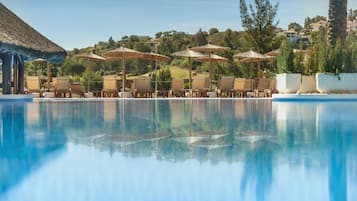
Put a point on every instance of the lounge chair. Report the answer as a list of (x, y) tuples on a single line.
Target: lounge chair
[(177, 88), (238, 87), (272, 89), (33, 84), (77, 88), (225, 86), (263, 84), (142, 87), (110, 87), (242, 87), (62, 86), (200, 87)]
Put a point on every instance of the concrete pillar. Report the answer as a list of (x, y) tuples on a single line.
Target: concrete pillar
[(15, 74), (7, 60), (21, 75)]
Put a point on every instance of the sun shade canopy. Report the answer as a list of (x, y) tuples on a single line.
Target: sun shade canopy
[(18, 37)]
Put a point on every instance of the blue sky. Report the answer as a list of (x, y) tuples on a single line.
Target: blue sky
[(81, 23)]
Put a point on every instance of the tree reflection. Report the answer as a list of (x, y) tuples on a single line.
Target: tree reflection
[(27, 141)]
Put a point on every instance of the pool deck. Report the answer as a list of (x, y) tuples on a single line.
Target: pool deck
[(134, 99), (16, 98)]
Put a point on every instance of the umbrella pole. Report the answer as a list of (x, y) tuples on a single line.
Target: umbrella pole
[(123, 76), (190, 73), (210, 72), (156, 78)]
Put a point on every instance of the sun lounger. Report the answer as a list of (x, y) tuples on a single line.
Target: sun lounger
[(77, 88), (225, 86), (177, 88), (62, 86), (272, 89), (200, 87), (33, 85), (263, 84), (110, 87), (242, 87), (142, 87)]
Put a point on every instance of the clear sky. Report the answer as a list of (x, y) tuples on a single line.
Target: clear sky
[(81, 23)]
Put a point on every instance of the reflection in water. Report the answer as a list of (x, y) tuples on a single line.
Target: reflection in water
[(25, 147), (268, 148)]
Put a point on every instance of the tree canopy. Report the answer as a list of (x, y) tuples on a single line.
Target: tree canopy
[(259, 23)]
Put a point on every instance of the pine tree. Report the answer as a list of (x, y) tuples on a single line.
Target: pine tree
[(259, 23), (337, 21)]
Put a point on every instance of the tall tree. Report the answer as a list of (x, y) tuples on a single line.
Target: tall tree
[(111, 42), (259, 22), (286, 58), (200, 38), (337, 21), (295, 26)]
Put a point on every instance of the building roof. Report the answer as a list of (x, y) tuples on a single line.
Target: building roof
[(17, 36)]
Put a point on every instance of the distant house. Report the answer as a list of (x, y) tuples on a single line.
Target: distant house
[(295, 37), (315, 27)]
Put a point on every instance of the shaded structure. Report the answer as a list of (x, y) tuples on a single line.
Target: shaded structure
[(19, 42)]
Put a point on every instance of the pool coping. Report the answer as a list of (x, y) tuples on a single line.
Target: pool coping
[(134, 99), (314, 97)]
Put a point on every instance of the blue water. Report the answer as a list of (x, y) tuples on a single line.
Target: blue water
[(176, 150)]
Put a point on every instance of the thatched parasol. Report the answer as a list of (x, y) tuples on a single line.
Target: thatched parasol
[(157, 58), (49, 75), (123, 54), (210, 49), (252, 57), (92, 57), (275, 53), (189, 54), (213, 58)]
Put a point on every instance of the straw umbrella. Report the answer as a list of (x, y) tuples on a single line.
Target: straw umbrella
[(123, 54), (93, 58), (212, 59), (157, 58), (275, 53), (40, 60), (251, 57), (210, 49), (189, 54)]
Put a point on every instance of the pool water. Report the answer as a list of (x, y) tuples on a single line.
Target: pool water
[(178, 150)]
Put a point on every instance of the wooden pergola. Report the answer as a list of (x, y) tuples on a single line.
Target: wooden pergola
[(19, 42)]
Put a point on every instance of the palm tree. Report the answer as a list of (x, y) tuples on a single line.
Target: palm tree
[(337, 21)]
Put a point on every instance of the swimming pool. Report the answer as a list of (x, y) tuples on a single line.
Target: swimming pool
[(176, 150)]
